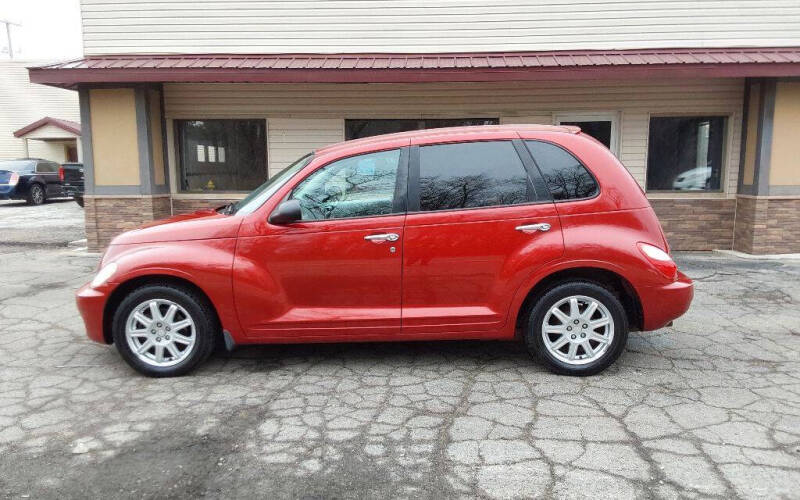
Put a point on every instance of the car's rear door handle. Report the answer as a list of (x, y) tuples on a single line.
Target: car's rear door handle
[(532, 228), (380, 238)]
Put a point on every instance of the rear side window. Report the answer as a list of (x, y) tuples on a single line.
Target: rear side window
[(565, 176), (46, 167), (470, 175)]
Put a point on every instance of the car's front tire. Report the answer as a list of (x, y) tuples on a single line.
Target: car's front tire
[(36, 195), (577, 328), (162, 330)]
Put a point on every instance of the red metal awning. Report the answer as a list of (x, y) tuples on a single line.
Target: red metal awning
[(66, 125), (404, 68)]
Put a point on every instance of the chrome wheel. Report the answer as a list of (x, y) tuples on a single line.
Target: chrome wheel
[(578, 330), (160, 332), (37, 195)]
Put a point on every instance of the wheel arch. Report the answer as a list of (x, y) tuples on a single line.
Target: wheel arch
[(618, 284), (123, 289)]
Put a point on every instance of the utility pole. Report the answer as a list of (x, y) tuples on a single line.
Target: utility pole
[(8, 36)]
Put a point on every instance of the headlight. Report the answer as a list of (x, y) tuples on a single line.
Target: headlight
[(104, 274)]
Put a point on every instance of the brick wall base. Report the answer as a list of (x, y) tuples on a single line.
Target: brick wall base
[(185, 206), (767, 225), (107, 217), (696, 224)]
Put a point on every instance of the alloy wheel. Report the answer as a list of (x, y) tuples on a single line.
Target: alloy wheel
[(160, 332), (578, 330)]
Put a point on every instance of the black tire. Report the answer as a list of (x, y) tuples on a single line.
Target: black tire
[(36, 194), (79, 200), (198, 307), (535, 341)]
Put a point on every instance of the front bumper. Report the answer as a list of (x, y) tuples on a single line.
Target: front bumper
[(8, 192), (91, 304), (663, 304)]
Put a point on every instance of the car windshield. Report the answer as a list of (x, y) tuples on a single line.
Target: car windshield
[(262, 193), (17, 165)]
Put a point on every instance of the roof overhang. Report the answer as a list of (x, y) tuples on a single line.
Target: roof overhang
[(58, 129), (410, 68)]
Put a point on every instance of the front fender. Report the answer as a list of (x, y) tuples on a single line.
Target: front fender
[(207, 264)]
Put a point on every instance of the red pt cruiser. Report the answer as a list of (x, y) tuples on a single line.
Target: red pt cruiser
[(494, 232)]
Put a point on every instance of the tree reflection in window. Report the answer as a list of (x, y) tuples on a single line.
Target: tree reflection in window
[(565, 176), (359, 186), (469, 175)]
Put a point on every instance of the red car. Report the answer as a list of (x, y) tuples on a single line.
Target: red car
[(535, 233)]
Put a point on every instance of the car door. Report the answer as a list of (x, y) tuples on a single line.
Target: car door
[(480, 221), (336, 274)]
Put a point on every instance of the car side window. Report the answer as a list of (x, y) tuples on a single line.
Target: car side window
[(565, 175), (46, 167), (358, 186), (471, 175)]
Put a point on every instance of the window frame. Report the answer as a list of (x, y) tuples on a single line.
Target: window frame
[(615, 117), (174, 157), (537, 191), (724, 189), (589, 170), (400, 197)]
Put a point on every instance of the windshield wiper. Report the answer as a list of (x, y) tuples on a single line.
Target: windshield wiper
[(228, 209)]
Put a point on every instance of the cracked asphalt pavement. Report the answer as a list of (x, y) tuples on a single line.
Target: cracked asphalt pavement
[(709, 408)]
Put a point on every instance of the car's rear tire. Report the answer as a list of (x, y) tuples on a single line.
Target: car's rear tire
[(162, 330), (36, 195), (79, 200), (577, 328)]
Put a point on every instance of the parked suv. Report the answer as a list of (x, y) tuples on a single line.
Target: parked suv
[(31, 179), (494, 232)]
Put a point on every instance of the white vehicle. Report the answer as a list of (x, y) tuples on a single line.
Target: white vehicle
[(693, 179)]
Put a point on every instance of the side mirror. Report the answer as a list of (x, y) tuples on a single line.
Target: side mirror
[(286, 213)]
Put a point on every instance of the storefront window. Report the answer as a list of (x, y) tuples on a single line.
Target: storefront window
[(222, 155), (356, 129), (685, 153)]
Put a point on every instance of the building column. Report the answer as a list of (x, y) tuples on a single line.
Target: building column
[(124, 174), (25, 150), (768, 201)]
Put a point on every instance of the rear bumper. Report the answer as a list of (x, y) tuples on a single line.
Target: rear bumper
[(663, 304), (91, 304), (74, 191)]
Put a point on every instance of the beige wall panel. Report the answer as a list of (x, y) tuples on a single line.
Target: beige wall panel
[(751, 141), (784, 167), (308, 105), (290, 138), (259, 26), (156, 137), (114, 137)]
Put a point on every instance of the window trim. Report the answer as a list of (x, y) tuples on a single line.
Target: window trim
[(414, 180), (599, 189), (173, 157), (615, 117), (399, 199), (727, 147)]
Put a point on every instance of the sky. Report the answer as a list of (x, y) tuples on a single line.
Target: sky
[(50, 29)]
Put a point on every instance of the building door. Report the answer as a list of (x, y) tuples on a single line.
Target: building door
[(602, 126), (478, 225)]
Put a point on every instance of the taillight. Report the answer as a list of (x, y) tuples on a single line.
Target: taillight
[(660, 260), (14, 179), (61, 174)]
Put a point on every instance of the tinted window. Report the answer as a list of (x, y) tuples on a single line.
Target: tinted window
[(685, 153), (565, 176), (474, 174), (358, 186), (222, 155), (356, 129), (46, 167)]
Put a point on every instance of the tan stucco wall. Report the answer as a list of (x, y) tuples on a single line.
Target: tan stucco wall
[(752, 135), (156, 137), (785, 162), (114, 138)]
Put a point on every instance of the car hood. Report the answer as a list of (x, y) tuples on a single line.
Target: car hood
[(200, 225)]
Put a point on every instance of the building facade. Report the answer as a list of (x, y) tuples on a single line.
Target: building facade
[(24, 107), (185, 108)]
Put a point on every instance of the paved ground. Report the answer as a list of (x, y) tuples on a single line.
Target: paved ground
[(709, 408)]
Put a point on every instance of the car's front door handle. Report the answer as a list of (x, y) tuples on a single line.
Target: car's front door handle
[(380, 238), (532, 228)]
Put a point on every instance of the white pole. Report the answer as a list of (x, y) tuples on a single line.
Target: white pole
[(25, 148)]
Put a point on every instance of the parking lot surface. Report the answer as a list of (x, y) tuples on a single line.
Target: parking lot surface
[(707, 408)]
